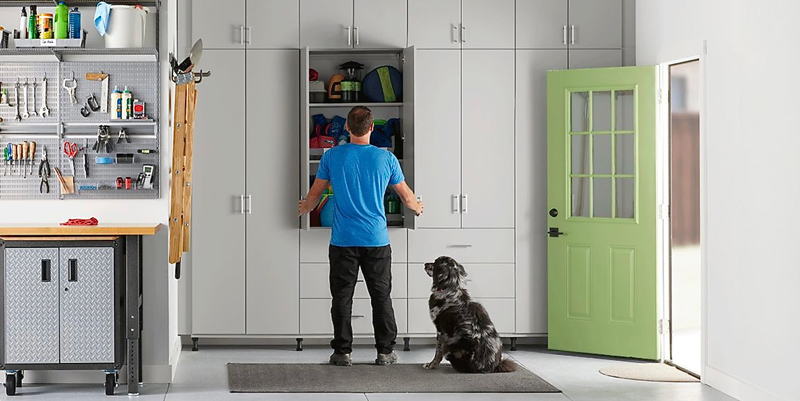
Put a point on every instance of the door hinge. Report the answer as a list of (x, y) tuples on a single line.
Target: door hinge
[(663, 326), (660, 94), (663, 211)]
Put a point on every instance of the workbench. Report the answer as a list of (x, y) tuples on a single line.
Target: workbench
[(126, 240)]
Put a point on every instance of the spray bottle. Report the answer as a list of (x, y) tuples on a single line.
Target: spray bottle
[(33, 27)]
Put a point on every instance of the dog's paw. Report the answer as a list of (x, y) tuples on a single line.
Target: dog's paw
[(430, 365)]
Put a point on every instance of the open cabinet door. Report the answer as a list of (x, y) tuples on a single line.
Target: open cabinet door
[(305, 132), (601, 193), (409, 55)]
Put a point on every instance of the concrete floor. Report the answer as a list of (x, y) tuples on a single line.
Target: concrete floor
[(202, 376)]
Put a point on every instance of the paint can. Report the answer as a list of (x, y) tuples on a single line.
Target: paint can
[(138, 109)]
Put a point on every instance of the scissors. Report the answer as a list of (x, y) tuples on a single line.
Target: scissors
[(71, 150)]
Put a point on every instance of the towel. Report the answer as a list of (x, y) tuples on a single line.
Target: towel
[(101, 17)]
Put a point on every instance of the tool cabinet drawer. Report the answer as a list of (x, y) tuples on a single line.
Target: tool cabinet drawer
[(314, 282), (501, 311), (315, 316), (465, 246), (314, 245), (483, 280)]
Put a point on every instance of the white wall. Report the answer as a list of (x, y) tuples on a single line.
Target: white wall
[(751, 163), (159, 337)]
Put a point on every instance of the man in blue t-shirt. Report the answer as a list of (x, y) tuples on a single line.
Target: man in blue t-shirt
[(359, 174)]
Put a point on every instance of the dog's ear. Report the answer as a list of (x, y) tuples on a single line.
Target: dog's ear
[(461, 270)]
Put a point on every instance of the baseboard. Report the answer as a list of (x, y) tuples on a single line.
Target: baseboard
[(175, 356), (737, 388), (416, 339), (150, 374)]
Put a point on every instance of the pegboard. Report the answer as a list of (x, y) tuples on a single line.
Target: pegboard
[(13, 182), (11, 73)]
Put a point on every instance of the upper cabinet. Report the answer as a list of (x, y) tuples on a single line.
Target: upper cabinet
[(240, 24), (461, 24), (573, 24), (353, 24)]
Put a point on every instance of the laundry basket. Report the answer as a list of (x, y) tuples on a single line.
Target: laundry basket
[(126, 27)]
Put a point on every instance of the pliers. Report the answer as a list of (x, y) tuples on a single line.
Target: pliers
[(44, 172)]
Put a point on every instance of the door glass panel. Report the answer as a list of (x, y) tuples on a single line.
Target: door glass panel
[(602, 197), (625, 197), (580, 196), (601, 154), (624, 144), (580, 112), (580, 154), (624, 110), (601, 111)]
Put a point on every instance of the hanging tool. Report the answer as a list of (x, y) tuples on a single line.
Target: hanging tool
[(17, 152), (25, 113), (31, 155), (91, 100), (70, 84), (18, 117), (103, 140), (34, 112), (44, 172), (5, 159), (103, 78), (123, 135), (44, 111), (7, 156), (71, 150), (24, 158)]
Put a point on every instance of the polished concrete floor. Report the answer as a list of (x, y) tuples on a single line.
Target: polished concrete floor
[(201, 376)]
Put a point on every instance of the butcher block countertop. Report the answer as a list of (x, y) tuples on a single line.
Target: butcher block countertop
[(56, 229)]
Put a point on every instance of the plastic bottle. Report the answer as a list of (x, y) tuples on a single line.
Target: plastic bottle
[(23, 25), (115, 106), (33, 28), (62, 20), (75, 24), (127, 104)]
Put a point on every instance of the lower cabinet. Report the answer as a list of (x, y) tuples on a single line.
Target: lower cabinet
[(315, 316)]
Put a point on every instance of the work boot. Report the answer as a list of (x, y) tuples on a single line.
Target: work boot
[(341, 359), (386, 359)]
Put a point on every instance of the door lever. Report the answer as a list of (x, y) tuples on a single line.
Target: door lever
[(554, 233)]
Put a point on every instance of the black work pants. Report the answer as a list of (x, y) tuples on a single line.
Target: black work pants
[(376, 266)]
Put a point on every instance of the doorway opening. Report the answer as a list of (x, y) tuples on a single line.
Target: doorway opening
[(684, 254)]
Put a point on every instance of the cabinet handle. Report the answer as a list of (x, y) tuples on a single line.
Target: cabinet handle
[(46, 270), (349, 41), (464, 204), (355, 31), (72, 274), (572, 35), (454, 33), (241, 35), (356, 315), (249, 35), (454, 201), (461, 246), (565, 34), (249, 204), (241, 204), (463, 34)]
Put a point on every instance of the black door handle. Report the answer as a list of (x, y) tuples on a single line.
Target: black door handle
[(554, 233), (553, 212), (73, 270), (46, 270)]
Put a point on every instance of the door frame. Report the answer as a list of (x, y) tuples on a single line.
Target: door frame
[(663, 197)]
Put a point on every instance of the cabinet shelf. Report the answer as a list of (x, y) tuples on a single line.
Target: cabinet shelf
[(370, 105), (57, 54)]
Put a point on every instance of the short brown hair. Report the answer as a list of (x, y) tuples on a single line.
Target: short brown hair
[(359, 120)]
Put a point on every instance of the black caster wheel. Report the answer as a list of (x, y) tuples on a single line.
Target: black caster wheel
[(406, 344), (299, 344), (194, 343), (111, 383), (19, 376), (11, 384)]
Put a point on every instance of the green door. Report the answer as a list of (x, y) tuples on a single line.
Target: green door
[(601, 193)]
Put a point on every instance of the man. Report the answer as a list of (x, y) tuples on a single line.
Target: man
[(359, 174)]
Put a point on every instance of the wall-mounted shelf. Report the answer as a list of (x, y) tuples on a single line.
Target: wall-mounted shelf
[(66, 54)]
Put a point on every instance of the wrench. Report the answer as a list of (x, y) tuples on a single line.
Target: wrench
[(25, 113), (44, 112), (34, 113), (17, 118)]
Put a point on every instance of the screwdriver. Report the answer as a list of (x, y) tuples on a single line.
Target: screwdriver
[(13, 157), (31, 154), (23, 158)]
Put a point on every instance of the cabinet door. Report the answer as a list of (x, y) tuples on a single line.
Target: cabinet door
[(531, 200), (437, 137), (595, 24), (87, 304), (31, 305), (379, 24), (409, 90), (220, 23), (542, 24), (326, 24), (434, 24), (273, 238), (487, 168), (273, 24), (594, 58), (218, 236), (487, 24)]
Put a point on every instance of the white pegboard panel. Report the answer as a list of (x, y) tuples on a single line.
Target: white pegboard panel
[(15, 184), (10, 73)]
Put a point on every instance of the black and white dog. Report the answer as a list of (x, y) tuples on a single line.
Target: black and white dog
[(465, 335)]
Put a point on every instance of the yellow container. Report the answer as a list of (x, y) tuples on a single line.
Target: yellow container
[(45, 26)]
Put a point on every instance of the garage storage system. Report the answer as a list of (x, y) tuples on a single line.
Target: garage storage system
[(472, 133)]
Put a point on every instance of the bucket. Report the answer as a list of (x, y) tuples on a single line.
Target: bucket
[(126, 27)]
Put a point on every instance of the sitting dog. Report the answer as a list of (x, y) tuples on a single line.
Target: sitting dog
[(465, 335)]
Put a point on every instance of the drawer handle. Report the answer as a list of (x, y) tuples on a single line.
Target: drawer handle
[(46, 270), (460, 246), (359, 281), (357, 316), (73, 270)]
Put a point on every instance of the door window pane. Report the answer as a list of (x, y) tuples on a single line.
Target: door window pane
[(580, 154), (580, 196), (624, 144), (601, 111), (624, 110), (602, 197), (601, 154), (580, 112), (625, 198)]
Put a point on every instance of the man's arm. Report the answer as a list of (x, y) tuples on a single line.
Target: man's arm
[(408, 197), (312, 199)]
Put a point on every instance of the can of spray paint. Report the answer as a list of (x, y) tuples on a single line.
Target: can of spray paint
[(127, 104), (138, 109), (116, 104), (75, 24)]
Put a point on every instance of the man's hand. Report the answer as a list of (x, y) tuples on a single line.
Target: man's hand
[(311, 201), (305, 207), (408, 197), (419, 209)]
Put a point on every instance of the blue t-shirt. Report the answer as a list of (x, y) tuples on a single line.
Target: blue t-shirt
[(359, 175)]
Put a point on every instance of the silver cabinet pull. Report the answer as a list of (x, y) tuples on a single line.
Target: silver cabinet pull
[(464, 204), (572, 35), (349, 40), (249, 31), (241, 203), (249, 204), (356, 315), (359, 281), (461, 246), (355, 31), (241, 34), (463, 34), (456, 206), (565, 34), (454, 33)]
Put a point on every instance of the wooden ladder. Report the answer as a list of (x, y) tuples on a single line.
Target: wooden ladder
[(180, 216)]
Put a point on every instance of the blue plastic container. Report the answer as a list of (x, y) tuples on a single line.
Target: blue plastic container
[(75, 24)]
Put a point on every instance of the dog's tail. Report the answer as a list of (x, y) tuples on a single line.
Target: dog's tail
[(506, 366)]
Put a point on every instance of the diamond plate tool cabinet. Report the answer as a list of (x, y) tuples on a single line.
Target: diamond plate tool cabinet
[(63, 306)]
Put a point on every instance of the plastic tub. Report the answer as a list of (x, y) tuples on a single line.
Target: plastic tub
[(126, 27)]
